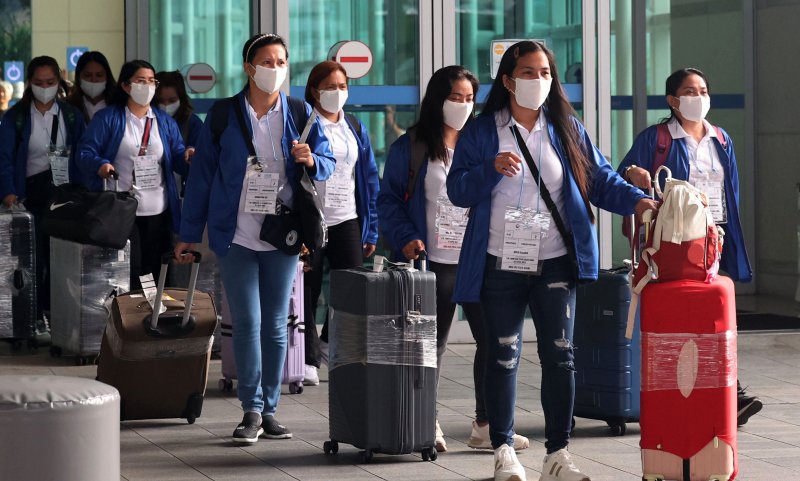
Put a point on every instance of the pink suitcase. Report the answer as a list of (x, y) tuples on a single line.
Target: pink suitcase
[(294, 367)]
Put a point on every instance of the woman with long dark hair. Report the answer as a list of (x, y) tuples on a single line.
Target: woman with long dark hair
[(702, 154), (426, 220), (94, 84), (38, 148), (528, 172), (144, 147)]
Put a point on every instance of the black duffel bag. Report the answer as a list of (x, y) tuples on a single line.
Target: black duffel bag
[(102, 219)]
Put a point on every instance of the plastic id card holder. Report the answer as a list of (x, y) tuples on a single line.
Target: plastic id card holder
[(524, 230)]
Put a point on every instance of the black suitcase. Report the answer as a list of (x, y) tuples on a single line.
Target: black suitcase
[(17, 277), (607, 377), (382, 391)]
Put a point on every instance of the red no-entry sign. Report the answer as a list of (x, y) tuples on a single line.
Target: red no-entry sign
[(355, 57)]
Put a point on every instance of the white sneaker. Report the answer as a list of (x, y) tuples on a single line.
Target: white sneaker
[(438, 441), (479, 439), (310, 377), (558, 467), (323, 352), (506, 465)]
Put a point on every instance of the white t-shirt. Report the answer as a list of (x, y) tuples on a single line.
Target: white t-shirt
[(152, 201), (521, 190), (39, 142), (436, 189), (267, 136), (338, 193), (91, 108)]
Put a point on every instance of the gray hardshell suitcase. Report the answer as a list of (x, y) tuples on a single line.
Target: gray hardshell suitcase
[(83, 280), (17, 276), (382, 391)]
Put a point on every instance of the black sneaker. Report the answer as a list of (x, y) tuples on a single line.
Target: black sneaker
[(747, 406), (248, 431), (273, 429)]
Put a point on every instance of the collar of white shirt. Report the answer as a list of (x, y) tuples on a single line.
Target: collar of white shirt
[(274, 110), (325, 122), (149, 113), (677, 132), (53, 110)]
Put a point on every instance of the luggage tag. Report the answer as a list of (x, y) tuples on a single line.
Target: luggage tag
[(524, 230), (149, 291), (263, 185), (338, 187), (451, 224), (59, 163), (147, 171)]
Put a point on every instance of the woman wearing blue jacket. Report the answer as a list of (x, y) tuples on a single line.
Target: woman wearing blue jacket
[(257, 276), (702, 154), (38, 144), (142, 145), (530, 239), (426, 220), (348, 198)]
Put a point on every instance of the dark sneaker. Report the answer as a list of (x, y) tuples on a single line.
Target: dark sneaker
[(747, 406), (273, 429), (248, 431)]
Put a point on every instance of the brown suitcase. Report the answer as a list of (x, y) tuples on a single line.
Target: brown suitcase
[(159, 364)]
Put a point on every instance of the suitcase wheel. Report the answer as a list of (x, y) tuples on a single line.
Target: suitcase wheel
[(296, 388), (225, 385), (190, 419), (366, 456), (429, 454), (330, 447), (55, 351), (618, 428)]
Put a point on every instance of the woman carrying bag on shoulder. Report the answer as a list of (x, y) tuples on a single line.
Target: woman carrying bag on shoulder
[(143, 147)]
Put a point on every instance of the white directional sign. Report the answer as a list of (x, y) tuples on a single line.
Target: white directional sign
[(73, 54), (13, 71), (354, 56)]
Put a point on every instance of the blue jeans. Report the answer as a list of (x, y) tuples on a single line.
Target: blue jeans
[(551, 298), (258, 286)]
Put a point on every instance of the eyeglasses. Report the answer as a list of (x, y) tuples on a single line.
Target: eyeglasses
[(145, 82)]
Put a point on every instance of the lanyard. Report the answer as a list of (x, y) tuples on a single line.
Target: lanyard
[(148, 123), (710, 157), (271, 141), (518, 137), (54, 131)]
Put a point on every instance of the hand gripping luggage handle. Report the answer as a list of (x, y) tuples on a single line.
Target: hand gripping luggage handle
[(115, 176), (423, 260), (162, 280)]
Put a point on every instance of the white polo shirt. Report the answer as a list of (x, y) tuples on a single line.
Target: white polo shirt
[(340, 200), (151, 201), (39, 141), (703, 155)]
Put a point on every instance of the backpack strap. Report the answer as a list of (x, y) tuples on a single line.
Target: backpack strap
[(721, 137), (663, 144), (219, 117), (418, 154), (297, 109), (19, 125), (354, 122)]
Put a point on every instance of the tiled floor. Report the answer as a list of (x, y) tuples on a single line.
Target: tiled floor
[(769, 445)]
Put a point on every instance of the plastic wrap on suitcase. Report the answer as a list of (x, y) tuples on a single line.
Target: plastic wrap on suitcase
[(83, 280), (607, 364), (17, 275)]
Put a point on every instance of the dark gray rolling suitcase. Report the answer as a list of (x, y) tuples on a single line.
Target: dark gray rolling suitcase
[(17, 277), (382, 391)]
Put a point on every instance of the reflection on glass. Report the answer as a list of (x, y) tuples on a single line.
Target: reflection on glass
[(183, 32)]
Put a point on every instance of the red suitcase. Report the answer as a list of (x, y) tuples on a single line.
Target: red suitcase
[(688, 397), (294, 367)]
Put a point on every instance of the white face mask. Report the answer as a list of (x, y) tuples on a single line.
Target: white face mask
[(170, 109), (44, 94), (269, 80), (531, 93), (456, 113), (332, 100), (694, 107), (142, 94), (92, 89)]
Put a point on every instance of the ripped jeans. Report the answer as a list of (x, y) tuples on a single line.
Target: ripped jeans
[(551, 298)]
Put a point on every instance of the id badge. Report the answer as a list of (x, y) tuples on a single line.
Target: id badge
[(715, 190), (263, 182), (451, 224), (59, 165), (523, 234), (148, 172), (337, 189)]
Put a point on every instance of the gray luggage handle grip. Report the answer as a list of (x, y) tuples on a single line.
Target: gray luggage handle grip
[(115, 176), (162, 280), (423, 260)]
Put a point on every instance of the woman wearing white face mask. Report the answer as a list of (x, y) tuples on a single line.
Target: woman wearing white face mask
[(94, 84), (348, 198), (38, 144), (415, 214), (143, 146), (702, 154), (527, 170)]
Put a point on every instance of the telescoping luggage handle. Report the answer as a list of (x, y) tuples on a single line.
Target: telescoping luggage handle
[(115, 176), (423, 261), (162, 280)]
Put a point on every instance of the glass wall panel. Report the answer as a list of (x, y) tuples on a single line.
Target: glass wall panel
[(385, 99), (184, 32)]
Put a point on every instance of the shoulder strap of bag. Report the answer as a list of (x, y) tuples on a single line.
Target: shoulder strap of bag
[(418, 154), (663, 144), (219, 117), (354, 122), (720, 137), (19, 125), (297, 109), (248, 139), (546, 197)]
